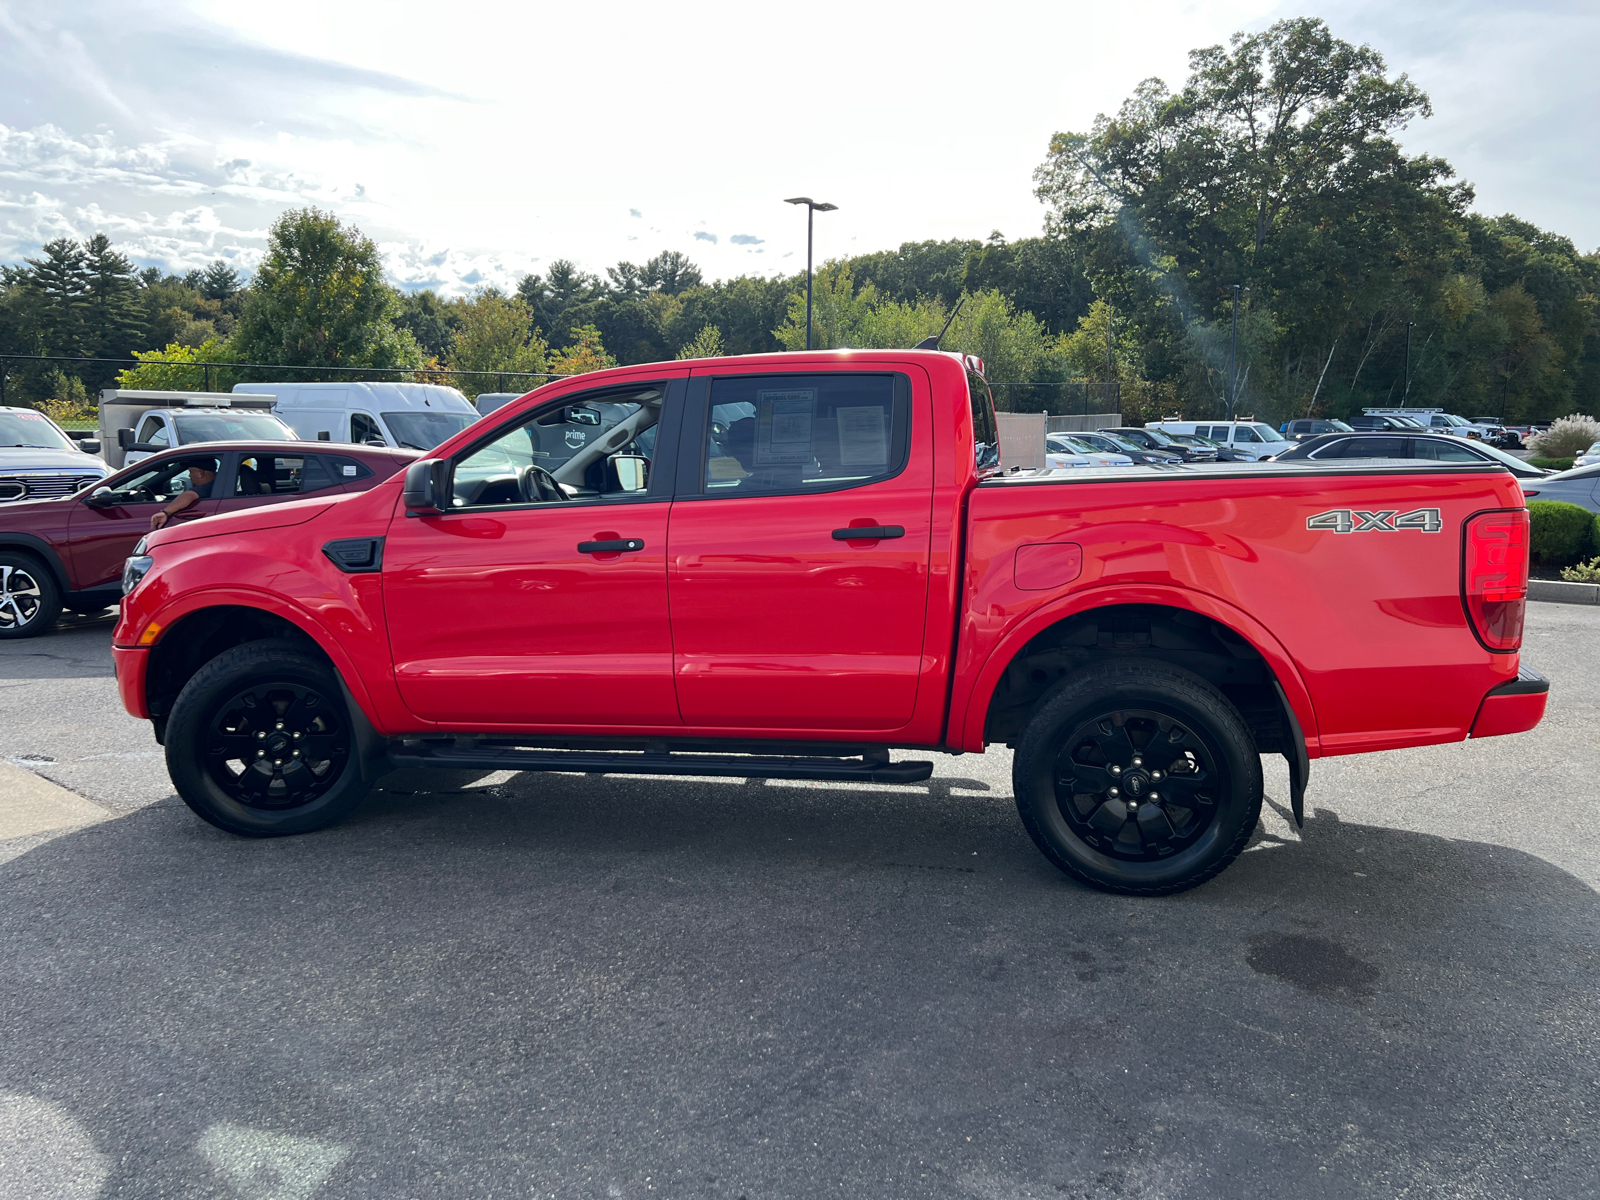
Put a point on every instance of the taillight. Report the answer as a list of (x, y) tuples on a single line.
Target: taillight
[(1494, 577)]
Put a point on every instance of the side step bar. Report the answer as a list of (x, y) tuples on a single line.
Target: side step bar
[(869, 768)]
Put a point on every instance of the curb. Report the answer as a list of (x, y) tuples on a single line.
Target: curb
[(1554, 591)]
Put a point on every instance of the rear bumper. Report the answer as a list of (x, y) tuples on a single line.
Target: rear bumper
[(130, 664), (1514, 707)]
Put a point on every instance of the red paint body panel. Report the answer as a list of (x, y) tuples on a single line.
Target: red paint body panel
[(130, 663), (1509, 714), (743, 618)]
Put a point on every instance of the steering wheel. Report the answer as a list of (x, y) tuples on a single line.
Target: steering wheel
[(537, 486)]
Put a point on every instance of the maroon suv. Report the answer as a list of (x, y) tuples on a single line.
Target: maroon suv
[(68, 552)]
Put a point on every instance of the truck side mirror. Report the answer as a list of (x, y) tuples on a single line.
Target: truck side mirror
[(427, 487), (125, 439), (633, 472), (101, 497), (89, 445)]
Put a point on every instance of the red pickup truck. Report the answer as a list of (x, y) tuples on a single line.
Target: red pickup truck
[(787, 566)]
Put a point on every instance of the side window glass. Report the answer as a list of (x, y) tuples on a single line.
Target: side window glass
[(1243, 433), (270, 475), (581, 448), (364, 430), (153, 432), (1447, 452), (800, 433), (155, 486), (344, 470), (985, 428)]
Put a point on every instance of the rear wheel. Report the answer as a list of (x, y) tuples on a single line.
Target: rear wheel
[(260, 743), (30, 598), (1138, 778)]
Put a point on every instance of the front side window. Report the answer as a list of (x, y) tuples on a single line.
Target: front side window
[(578, 449), (800, 433), (364, 430), (156, 484), (152, 433), (1244, 433)]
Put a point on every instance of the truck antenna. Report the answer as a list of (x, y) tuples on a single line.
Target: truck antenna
[(933, 342)]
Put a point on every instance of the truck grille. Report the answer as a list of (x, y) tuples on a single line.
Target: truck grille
[(41, 487)]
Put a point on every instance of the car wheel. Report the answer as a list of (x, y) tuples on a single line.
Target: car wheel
[(1138, 778), (261, 743), (30, 598)]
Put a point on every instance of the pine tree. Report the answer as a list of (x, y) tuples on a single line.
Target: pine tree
[(61, 279), (219, 281), (115, 325)]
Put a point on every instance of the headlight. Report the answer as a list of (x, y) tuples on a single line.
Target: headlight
[(136, 568)]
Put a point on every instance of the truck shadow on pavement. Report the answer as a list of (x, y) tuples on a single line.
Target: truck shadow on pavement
[(576, 986)]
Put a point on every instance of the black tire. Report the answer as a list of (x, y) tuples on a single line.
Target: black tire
[(30, 597), (232, 750), (1138, 778)]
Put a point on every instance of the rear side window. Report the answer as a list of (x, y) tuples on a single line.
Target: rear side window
[(802, 433), (1442, 451), (1367, 447), (985, 428)]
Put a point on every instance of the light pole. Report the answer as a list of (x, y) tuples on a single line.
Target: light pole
[(1410, 325), (1233, 354), (812, 208)]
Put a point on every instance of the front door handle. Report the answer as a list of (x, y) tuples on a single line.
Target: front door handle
[(868, 532), (613, 546)]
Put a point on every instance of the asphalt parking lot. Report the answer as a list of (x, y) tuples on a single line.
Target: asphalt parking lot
[(576, 986)]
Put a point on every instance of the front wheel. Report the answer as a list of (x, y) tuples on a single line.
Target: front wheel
[(30, 600), (261, 743), (1138, 778)]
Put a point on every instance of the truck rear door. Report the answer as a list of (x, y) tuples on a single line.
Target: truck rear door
[(798, 553)]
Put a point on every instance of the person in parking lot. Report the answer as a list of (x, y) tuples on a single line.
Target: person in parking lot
[(202, 474)]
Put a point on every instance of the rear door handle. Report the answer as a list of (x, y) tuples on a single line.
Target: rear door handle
[(611, 547), (866, 532)]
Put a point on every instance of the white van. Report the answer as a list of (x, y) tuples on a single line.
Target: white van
[(414, 416), (1256, 439)]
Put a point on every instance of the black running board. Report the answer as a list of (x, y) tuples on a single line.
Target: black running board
[(481, 757)]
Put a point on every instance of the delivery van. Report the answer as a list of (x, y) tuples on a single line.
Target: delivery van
[(411, 416)]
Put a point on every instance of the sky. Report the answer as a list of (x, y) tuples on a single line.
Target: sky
[(475, 142)]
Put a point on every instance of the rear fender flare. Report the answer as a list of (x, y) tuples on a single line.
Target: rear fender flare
[(241, 597), (968, 715)]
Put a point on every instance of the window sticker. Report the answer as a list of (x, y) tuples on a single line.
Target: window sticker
[(863, 437), (723, 469), (27, 416), (347, 469), (783, 426)]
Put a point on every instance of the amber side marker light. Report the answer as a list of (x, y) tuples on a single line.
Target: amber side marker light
[(1494, 577), (151, 632)]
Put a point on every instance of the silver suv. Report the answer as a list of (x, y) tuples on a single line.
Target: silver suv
[(39, 461)]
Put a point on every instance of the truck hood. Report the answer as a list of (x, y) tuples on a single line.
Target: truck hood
[(275, 516), (31, 458)]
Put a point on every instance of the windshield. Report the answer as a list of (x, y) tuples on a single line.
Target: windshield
[(32, 430), (232, 427), (1268, 434), (1452, 419), (1124, 446), (1157, 436), (1511, 460), (1341, 427), (1074, 444), (425, 430)]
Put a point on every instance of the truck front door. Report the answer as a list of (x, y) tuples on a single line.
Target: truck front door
[(799, 550), (539, 600)]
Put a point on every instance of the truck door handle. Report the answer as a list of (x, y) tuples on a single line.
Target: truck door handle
[(611, 547), (866, 532)]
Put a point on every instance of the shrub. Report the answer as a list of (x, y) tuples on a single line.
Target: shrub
[(1567, 438), (1561, 533), (1584, 572), (1551, 464)]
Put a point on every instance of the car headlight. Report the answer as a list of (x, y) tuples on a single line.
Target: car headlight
[(137, 567)]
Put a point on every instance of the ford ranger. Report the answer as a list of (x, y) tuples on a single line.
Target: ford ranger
[(792, 566)]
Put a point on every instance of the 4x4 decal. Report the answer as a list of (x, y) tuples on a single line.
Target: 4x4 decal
[(1347, 520)]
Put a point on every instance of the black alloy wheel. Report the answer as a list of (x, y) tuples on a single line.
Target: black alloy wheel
[(261, 742), (1138, 777), (30, 600), (277, 747), (1136, 784)]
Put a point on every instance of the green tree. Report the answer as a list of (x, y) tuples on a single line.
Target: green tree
[(168, 369), (585, 354), (112, 309), (319, 300), (707, 344), (61, 280), (495, 334)]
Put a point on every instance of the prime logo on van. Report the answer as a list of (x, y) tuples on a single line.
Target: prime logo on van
[(1354, 520)]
